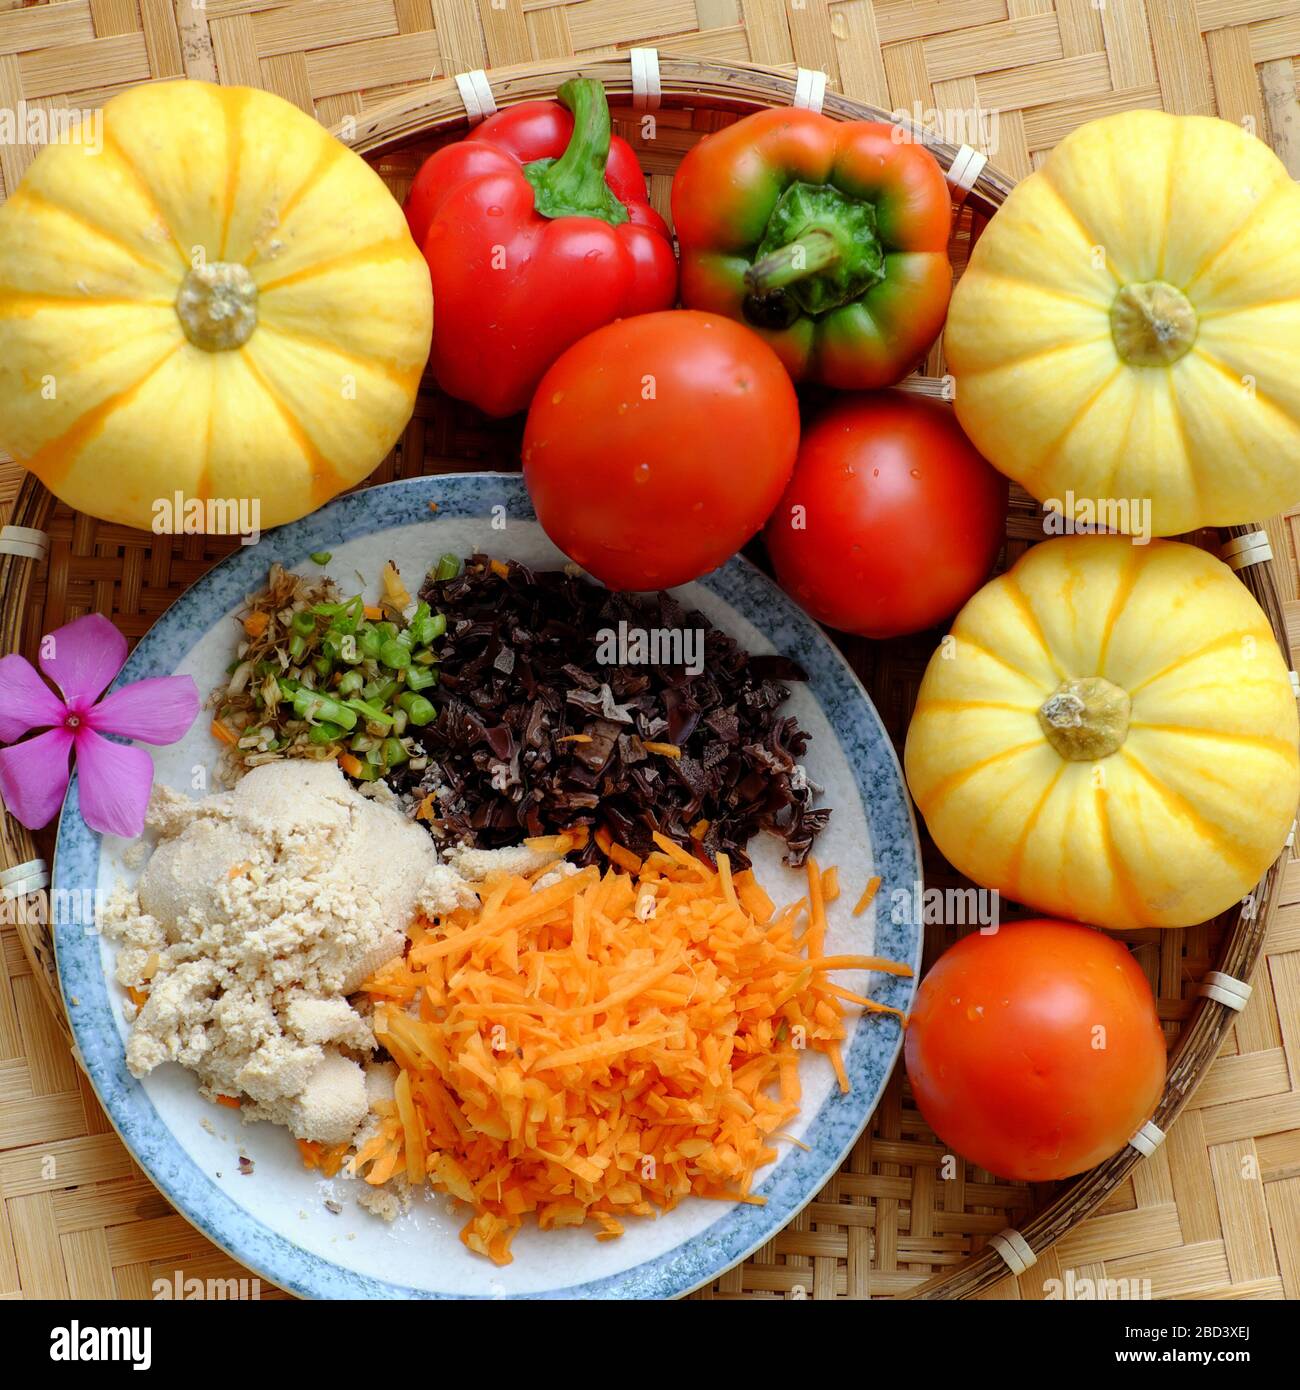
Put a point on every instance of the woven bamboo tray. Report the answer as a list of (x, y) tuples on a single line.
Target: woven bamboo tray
[(886, 1225)]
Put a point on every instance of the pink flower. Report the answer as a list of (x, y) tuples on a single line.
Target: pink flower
[(81, 659)]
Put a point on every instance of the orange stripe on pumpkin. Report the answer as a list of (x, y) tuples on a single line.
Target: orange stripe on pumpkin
[(326, 480), (375, 251), (53, 461)]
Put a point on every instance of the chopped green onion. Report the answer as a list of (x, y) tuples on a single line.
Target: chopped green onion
[(394, 655), (310, 704), (447, 568), (420, 677), (321, 557), (372, 714), (418, 709)]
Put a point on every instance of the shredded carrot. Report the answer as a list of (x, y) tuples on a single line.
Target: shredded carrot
[(868, 893), (224, 732), (560, 843), (667, 750), (327, 1158), (615, 853), (574, 738), (816, 911), (700, 829), (830, 884), (139, 997), (374, 612), (350, 764), (499, 568), (256, 623), (230, 1102), (568, 1056), (427, 808)]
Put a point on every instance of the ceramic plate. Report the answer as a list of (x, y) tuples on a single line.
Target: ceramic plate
[(275, 1219)]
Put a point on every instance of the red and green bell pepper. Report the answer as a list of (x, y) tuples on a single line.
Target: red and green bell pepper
[(537, 230), (829, 238)]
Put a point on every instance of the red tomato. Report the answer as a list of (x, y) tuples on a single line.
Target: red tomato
[(1035, 1051), (658, 445), (891, 521)]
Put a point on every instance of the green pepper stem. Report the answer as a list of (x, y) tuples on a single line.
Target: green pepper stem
[(814, 251), (574, 185)]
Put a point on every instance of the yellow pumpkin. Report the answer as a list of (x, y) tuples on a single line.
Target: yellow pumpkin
[(1109, 733), (1128, 329), (224, 302)]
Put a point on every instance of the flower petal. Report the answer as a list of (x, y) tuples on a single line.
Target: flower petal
[(113, 784), (84, 656), (34, 777), (26, 702), (157, 710)]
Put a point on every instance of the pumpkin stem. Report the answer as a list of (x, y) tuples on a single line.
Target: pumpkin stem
[(217, 305), (1153, 324), (1085, 720)]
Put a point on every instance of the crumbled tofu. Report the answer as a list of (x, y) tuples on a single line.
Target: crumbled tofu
[(444, 891), (476, 864), (258, 912), (329, 1021)]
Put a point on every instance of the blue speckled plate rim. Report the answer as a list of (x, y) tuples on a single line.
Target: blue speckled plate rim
[(742, 1228)]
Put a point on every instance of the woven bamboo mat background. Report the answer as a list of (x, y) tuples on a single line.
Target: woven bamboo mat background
[(1216, 1212)]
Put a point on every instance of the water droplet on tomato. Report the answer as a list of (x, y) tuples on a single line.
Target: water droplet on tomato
[(641, 473), (557, 398)]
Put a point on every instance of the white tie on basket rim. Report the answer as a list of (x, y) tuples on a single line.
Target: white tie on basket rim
[(476, 94), (1250, 549), (810, 89), (966, 167), (1226, 990), (22, 879), (24, 541), (1017, 1254), (647, 88)]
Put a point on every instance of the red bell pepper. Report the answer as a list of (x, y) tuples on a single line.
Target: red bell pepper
[(537, 230), (828, 238)]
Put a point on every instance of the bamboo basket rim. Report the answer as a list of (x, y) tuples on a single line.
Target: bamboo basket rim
[(439, 108)]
